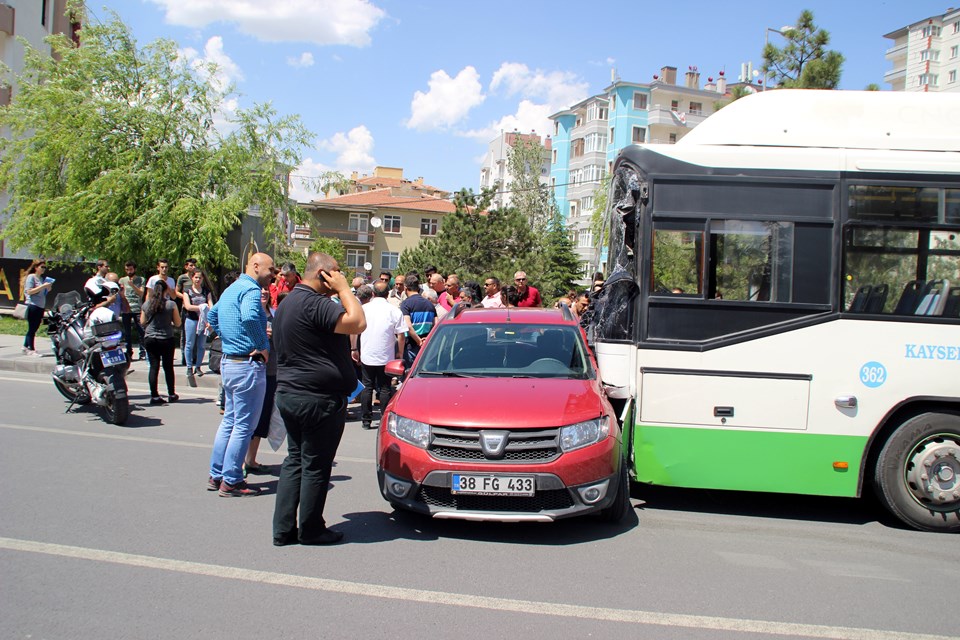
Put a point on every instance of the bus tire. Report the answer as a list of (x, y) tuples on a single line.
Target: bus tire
[(917, 476)]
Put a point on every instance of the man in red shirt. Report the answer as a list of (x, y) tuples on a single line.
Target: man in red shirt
[(286, 280), (529, 296)]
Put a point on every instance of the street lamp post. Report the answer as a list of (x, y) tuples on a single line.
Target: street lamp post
[(766, 41)]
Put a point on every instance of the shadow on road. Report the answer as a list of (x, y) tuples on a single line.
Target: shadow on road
[(380, 526), (764, 505)]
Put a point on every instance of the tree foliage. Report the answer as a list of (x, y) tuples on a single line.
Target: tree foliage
[(115, 152), (804, 62), (331, 246)]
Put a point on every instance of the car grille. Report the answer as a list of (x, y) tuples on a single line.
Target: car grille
[(548, 500), (522, 445)]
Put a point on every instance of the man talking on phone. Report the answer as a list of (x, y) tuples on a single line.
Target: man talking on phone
[(311, 335)]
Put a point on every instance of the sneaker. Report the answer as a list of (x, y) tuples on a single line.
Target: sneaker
[(329, 536), (239, 490), (25, 351), (213, 484), (35, 354), (367, 425), (157, 400), (173, 397)]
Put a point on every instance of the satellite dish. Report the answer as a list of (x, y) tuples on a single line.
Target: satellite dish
[(367, 266), (375, 222)]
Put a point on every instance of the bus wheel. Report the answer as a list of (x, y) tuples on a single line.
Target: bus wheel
[(918, 472)]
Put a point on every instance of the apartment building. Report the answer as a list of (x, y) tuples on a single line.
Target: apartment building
[(32, 20), (376, 218), (588, 136), (926, 55), (494, 172)]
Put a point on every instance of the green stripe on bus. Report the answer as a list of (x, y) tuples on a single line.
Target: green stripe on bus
[(773, 461)]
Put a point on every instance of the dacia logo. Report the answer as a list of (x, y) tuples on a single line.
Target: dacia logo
[(492, 443)]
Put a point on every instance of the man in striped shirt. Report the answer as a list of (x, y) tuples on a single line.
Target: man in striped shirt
[(240, 321), (420, 316)]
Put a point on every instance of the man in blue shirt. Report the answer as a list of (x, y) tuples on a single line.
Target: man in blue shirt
[(241, 322)]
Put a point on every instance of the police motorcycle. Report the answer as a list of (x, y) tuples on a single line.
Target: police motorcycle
[(91, 357)]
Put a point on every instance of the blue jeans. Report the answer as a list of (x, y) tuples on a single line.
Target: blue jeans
[(243, 384), (195, 343)]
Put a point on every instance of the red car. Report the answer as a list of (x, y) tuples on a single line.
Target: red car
[(503, 417)]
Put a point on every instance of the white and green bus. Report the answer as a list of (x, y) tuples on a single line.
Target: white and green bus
[(782, 310)]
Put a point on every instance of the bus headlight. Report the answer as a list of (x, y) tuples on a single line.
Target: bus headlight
[(582, 434), (416, 433)]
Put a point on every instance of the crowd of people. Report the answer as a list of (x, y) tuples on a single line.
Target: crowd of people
[(299, 343)]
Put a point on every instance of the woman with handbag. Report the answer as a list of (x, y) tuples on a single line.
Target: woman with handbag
[(35, 288)]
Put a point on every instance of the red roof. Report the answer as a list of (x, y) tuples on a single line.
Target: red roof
[(395, 182), (384, 198)]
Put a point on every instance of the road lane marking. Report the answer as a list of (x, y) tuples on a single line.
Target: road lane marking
[(176, 443), (472, 601), (136, 386)]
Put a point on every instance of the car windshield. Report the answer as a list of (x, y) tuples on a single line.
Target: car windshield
[(504, 351)]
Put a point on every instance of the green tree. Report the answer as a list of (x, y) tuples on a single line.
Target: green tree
[(528, 194), (804, 62), (873, 86), (331, 246), (559, 265), (113, 152), (736, 92)]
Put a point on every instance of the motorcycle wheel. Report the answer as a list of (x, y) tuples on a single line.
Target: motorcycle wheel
[(117, 409), (68, 394)]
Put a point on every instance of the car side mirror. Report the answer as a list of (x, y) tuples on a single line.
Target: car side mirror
[(394, 368)]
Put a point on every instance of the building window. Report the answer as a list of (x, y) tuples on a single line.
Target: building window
[(579, 122), (389, 260), (586, 203), (391, 224), (610, 136), (584, 239), (956, 27), (359, 222), (696, 108), (595, 142), (592, 173), (356, 258), (639, 135), (954, 51), (573, 210), (43, 13), (429, 226), (674, 105), (930, 54), (596, 112), (554, 156), (952, 76), (576, 148), (928, 79), (673, 138), (639, 100), (930, 31), (556, 128)]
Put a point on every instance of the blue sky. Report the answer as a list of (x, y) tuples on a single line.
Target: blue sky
[(426, 84)]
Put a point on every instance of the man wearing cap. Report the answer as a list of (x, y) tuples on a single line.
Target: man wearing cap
[(529, 296)]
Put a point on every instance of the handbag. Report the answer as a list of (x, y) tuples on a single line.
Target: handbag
[(278, 430), (20, 311)]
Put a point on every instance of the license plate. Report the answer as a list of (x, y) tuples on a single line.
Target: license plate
[(492, 485), (112, 358)]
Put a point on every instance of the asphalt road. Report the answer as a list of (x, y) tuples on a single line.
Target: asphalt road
[(108, 532)]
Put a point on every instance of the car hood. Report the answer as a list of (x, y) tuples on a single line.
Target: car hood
[(507, 403)]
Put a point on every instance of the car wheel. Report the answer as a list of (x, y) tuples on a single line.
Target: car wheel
[(620, 506)]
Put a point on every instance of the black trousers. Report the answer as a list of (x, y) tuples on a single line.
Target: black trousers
[(131, 320), (314, 427), (373, 378), (160, 352)]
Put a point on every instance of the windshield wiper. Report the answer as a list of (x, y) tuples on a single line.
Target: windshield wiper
[(448, 374)]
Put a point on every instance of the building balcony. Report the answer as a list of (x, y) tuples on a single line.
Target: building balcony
[(658, 114), (897, 50), (345, 236), (895, 75)]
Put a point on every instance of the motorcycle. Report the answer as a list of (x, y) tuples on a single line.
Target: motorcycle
[(91, 357)]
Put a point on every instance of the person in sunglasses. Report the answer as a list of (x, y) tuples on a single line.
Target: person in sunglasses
[(529, 296)]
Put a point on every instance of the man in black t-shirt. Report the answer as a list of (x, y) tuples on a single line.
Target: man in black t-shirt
[(311, 337)]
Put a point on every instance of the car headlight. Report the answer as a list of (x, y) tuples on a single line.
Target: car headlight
[(416, 433), (582, 434)]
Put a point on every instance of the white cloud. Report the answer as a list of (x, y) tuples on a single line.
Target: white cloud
[(530, 116), (541, 95), (559, 89), (322, 22), (353, 149), (447, 102), (305, 60), (225, 72)]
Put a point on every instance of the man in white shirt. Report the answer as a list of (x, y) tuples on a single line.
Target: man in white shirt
[(163, 271), (378, 345)]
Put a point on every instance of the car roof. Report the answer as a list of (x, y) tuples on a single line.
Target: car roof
[(521, 315)]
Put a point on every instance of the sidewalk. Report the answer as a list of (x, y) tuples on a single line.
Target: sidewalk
[(13, 359)]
